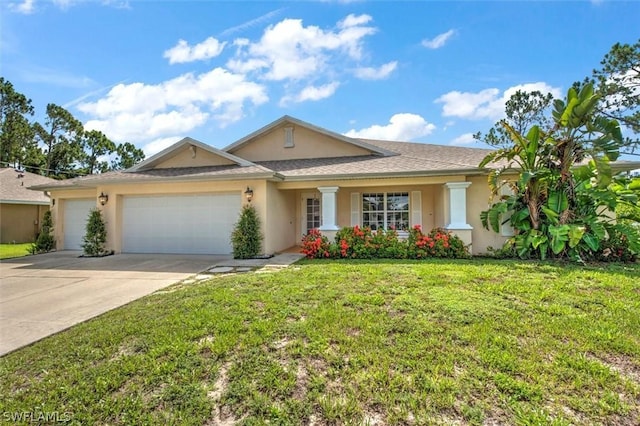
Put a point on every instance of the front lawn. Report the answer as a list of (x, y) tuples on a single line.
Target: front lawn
[(343, 342), (8, 251)]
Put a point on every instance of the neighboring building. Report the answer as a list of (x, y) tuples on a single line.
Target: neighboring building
[(187, 198), (21, 208)]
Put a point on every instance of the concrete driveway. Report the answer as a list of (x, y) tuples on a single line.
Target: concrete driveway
[(41, 295)]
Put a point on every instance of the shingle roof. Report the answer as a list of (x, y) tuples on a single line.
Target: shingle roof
[(162, 175), (412, 159), (15, 189)]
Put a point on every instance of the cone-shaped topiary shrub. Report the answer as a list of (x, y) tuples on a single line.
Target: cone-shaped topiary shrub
[(96, 236), (45, 241), (246, 237)]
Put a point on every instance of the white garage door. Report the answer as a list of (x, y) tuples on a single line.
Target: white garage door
[(76, 213), (192, 224)]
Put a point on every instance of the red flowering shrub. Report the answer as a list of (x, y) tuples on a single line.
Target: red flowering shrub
[(362, 243), (315, 245), (437, 243), (356, 243)]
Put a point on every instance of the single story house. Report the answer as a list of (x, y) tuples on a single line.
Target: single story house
[(187, 198), (21, 209)]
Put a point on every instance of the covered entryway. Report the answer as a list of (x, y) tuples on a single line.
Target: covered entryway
[(76, 214), (189, 224)]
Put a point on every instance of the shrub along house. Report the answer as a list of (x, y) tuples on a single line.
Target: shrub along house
[(298, 176)]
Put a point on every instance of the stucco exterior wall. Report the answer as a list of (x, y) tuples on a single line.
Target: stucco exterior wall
[(186, 158), (20, 223), (279, 204), (307, 144), (279, 224), (478, 199)]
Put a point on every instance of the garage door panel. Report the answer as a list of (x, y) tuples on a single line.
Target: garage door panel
[(198, 224), (76, 214)]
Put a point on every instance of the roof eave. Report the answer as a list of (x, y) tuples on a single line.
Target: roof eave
[(387, 175), (130, 180), (29, 202)]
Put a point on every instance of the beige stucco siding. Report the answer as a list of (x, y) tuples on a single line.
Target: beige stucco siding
[(279, 225), (279, 204), (196, 158), (478, 199), (307, 144), (20, 223)]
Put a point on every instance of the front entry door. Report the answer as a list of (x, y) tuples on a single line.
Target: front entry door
[(311, 212)]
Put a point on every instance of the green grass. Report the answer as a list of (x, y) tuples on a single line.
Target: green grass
[(8, 251), (335, 342)]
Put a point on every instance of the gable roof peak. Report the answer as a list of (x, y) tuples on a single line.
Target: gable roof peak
[(292, 120), (172, 150)]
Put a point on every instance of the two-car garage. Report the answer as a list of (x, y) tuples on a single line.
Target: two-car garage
[(184, 224), (190, 224)]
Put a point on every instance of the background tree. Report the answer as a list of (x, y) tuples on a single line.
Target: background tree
[(16, 132), (95, 145), (61, 138), (127, 155), (522, 111), (618, 84)]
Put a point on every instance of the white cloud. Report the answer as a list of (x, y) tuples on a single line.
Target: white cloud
[(370, 73), (354, 20), (27, 7), (182, 52), (438, 41), (158, 145), (463, 139), (488, 103), (290, 51), (312, 93), (139, 112), (401, 127)]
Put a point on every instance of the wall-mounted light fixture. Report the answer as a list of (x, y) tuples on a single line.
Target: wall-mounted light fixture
[(249, 194), (103, 198)]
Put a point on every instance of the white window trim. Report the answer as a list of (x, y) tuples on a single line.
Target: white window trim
[(401, 233)]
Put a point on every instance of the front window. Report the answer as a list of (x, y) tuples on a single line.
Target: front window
[(386, 210), (313, 213)]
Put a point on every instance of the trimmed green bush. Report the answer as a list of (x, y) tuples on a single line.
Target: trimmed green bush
[(246, 237), (45, 241), (95, 237)]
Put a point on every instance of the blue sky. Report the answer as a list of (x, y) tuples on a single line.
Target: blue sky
[(152, 72)]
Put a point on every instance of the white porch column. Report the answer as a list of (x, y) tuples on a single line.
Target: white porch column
[(458, 212), (329, 208), (458, 205)]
